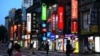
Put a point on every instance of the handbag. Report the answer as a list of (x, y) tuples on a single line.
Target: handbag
[(72, 50)]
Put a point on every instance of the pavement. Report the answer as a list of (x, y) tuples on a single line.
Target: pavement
[(26, 52)]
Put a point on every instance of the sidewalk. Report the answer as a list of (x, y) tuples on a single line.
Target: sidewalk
[(76, 54)]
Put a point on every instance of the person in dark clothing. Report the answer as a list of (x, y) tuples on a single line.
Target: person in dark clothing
[(31, 48), (47, 47), (17, 48), (10, 48), (68, 48)]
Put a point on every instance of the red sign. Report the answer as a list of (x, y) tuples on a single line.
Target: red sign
[(53, 22), (44, 30), (74, 9), (74, 27), (60, 17)]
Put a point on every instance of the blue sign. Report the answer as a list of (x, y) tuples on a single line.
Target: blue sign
[(48, 34), (52, 36), (43, 25), (44, 38)]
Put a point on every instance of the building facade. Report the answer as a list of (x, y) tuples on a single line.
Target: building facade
[(27, 3), (89, 25)]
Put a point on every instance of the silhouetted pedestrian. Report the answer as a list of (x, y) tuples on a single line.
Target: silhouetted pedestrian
[(47, 47), (17, 47), (31, 48), (17, 51), (10, 48), (68, 48)]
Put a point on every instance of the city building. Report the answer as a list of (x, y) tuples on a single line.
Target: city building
[(17, 29), (89, 25), (7, 23), (10, 23), (27, 3), (33, 24)]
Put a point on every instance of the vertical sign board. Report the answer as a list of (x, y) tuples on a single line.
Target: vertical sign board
[(44, 9), (11, 32), (53, 22), (74, 16), (28, 22), (74, 9), (23, 14), (60, 17), (74, 27)]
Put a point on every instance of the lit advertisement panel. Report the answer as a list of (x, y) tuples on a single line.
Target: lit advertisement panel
[(44, 9), (74, 9), (97, 44), (76, 44), (23, 14), (44, 30), (53, 22), (52, 36), (29, 22), (11, 33), (60, 17), (74, 27)]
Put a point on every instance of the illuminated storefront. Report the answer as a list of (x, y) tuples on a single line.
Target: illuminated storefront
[(27, 41), (50, 44), (59, 45), (94, 43), (74, 41), (35, 43)]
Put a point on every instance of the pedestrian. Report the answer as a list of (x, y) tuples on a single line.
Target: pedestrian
[(10, 48), (17, 47), (47, 47), (69, 48), (31, 48), (17, 50), (86, 51)]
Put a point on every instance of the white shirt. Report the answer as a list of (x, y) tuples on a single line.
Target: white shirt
[(10, 45)]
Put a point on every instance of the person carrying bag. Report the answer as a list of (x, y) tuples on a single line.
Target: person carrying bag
[(69, 48)]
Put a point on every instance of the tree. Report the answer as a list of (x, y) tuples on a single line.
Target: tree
[(3, 33)]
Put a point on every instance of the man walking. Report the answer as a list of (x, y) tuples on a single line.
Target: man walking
[(10, 48), (47, 47)]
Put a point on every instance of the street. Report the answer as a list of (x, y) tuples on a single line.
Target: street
[(3, 52)]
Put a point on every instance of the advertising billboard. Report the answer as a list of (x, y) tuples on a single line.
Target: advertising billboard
[(53, 22), (74, 28), (97, 44), (44, 13), (74, 9), (29, 22), (60, 17)]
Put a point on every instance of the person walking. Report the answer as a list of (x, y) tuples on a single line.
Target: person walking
[(31, 48), (69, 48), (17, 51), (10, 48), (47, 47)]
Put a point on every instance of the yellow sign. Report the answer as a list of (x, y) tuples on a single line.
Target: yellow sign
[(94, 28), (76, 47)]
